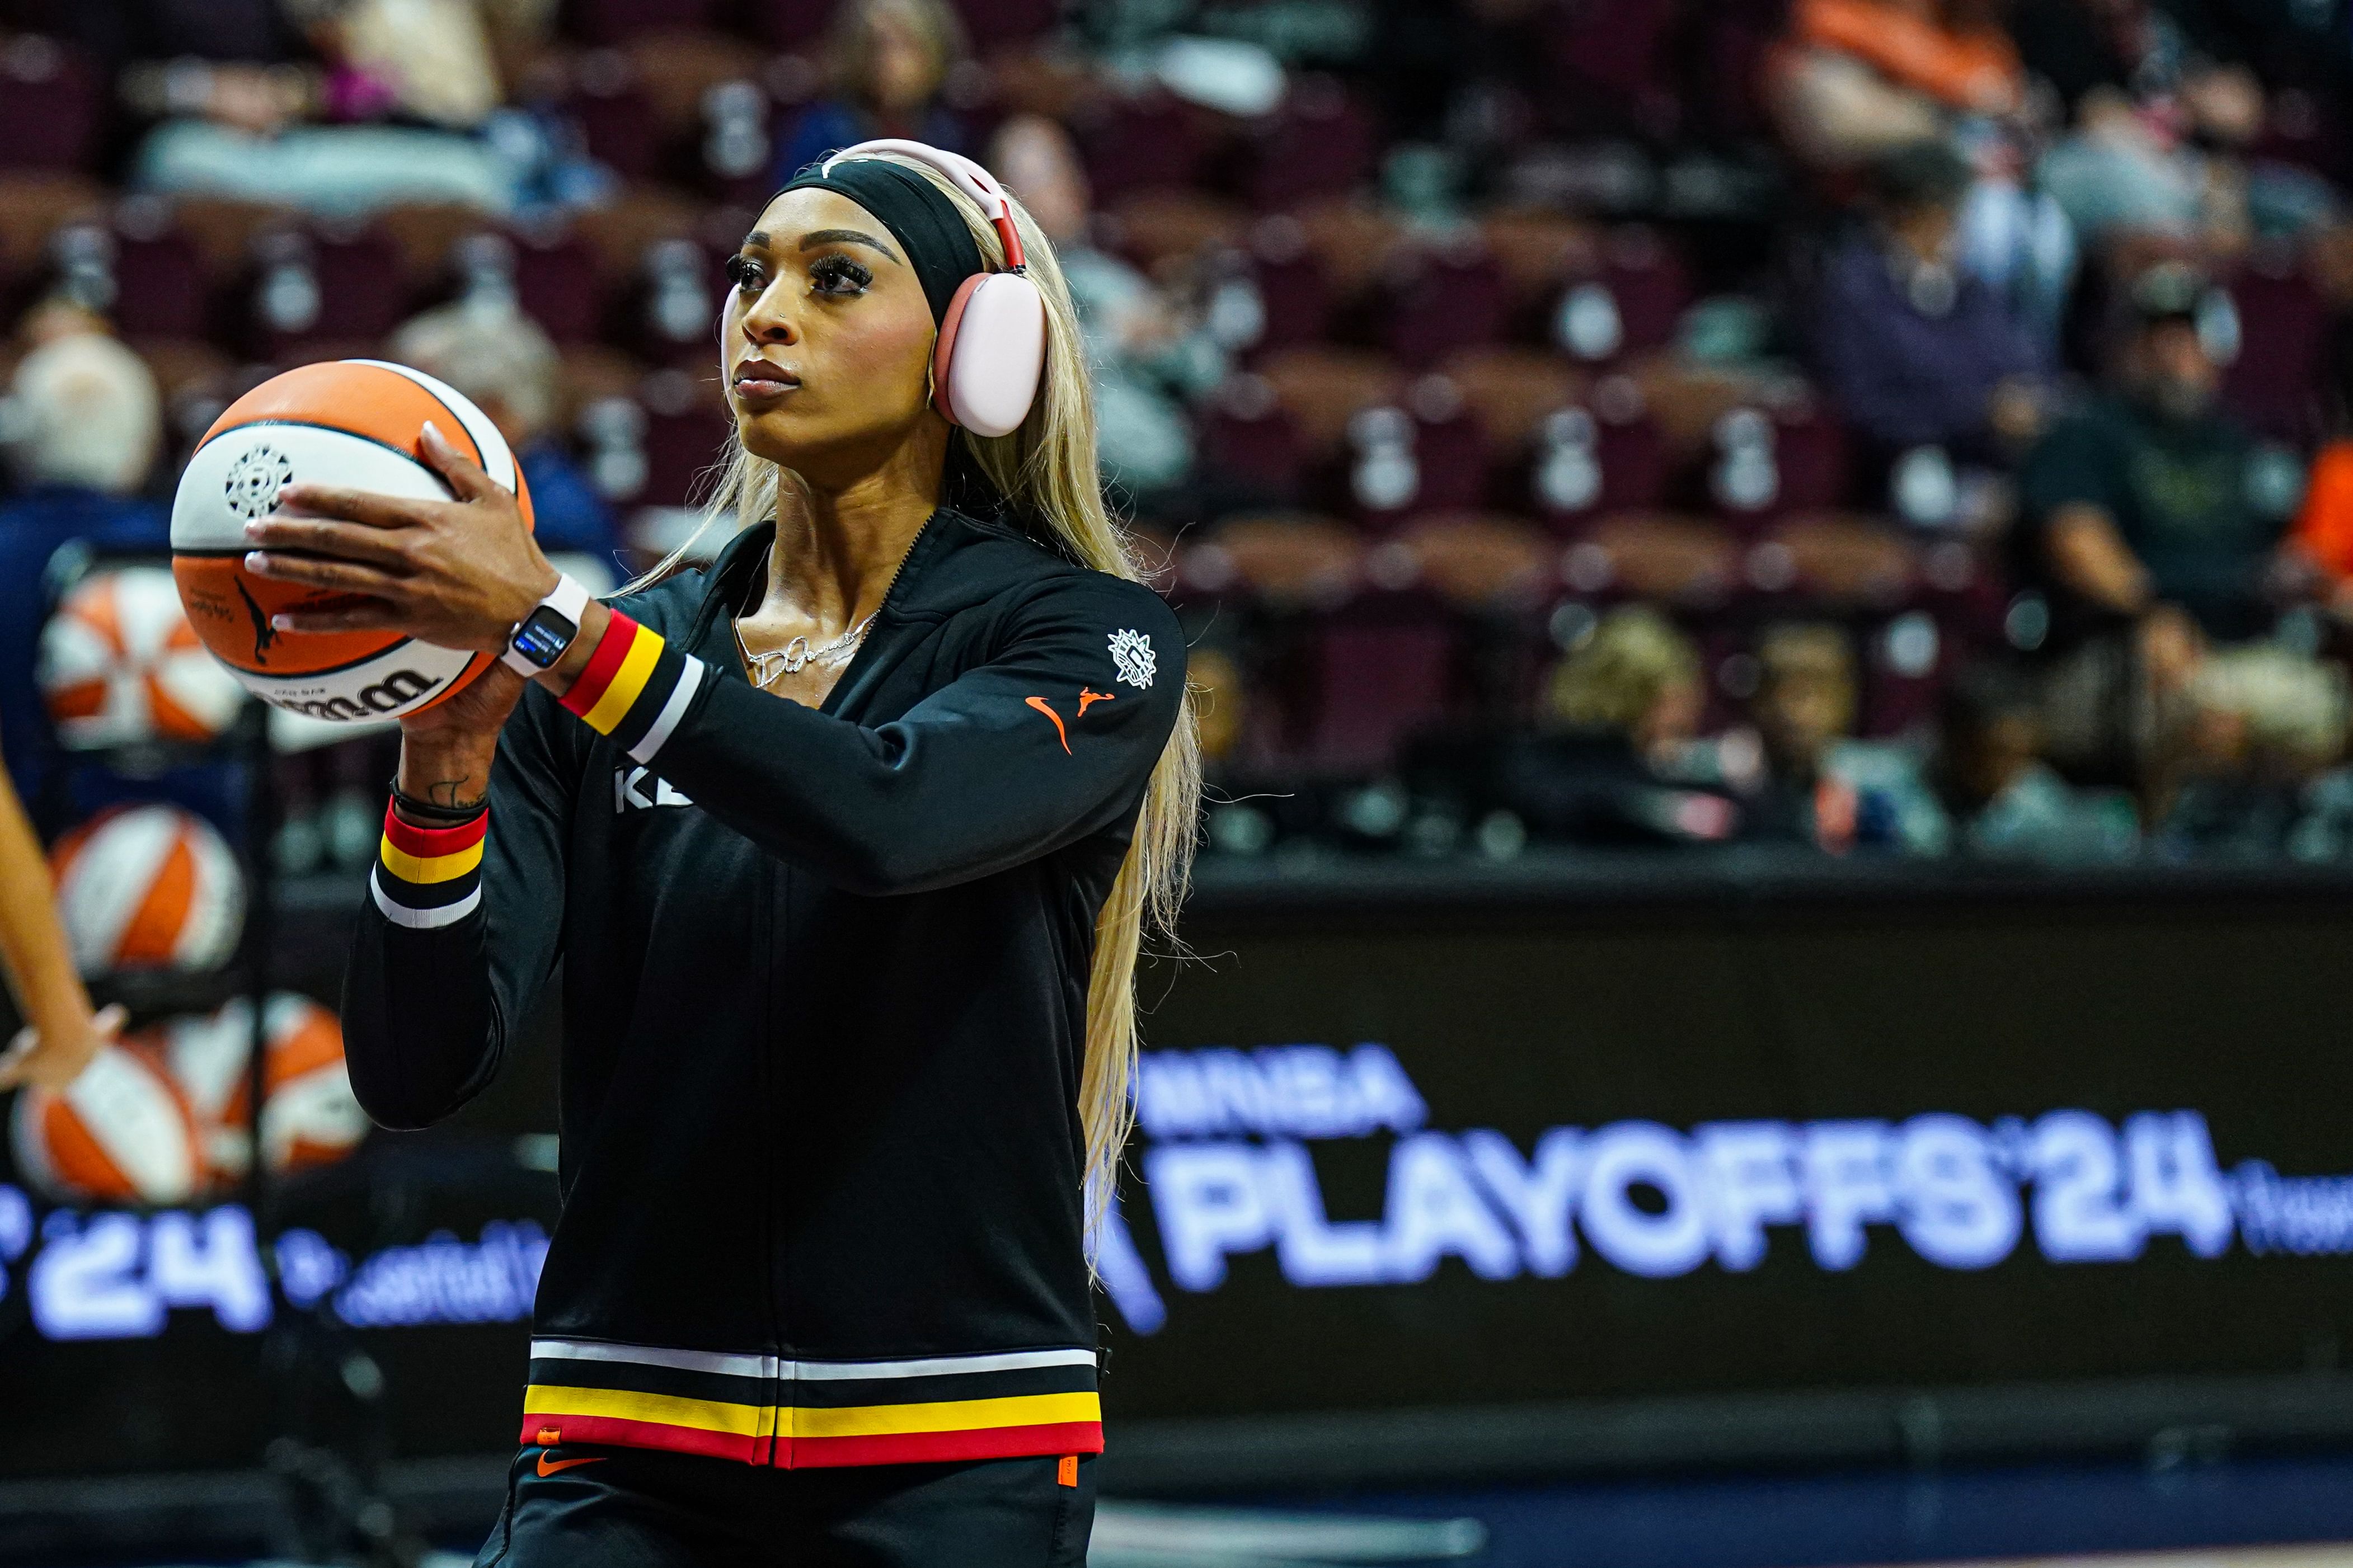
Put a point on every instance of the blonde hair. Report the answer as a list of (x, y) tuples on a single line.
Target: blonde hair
[(850, 45), (1616, 678), (84, 411), (1047, 472)]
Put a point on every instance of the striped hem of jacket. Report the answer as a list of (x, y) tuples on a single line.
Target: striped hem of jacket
[(798, 1414)]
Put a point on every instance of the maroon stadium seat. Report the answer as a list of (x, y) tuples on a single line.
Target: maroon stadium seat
[(617, 21), (1439, 299), (995, 23), (555, 282), (1294, 300), (1629, 306), (616, 117), (1138, 141), (1422, 453), (330, 285), (1247, 437), (796, 25), (686, 431), (51, 105), (2274, 384), (161, 285), (1319, 142), (1376, 670)]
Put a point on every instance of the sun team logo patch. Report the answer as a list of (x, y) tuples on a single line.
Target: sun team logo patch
[(1131, 656)]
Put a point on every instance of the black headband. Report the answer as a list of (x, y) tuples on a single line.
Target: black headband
[(926, 220)]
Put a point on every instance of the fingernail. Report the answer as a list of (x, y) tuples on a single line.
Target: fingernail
[(433, 430), (282, 623), (253, 529), (255, 561)]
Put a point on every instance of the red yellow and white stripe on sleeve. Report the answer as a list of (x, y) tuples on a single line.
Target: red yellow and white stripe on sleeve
[(636, 688), (426, 878)]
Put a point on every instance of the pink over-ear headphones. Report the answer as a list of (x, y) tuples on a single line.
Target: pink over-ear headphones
[(991, 346)]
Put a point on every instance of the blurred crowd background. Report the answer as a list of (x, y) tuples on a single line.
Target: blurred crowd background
[(1879, 427)]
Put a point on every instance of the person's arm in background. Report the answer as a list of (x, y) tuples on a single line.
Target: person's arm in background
[(61, 1035), (2068, 493), (2087, 554)]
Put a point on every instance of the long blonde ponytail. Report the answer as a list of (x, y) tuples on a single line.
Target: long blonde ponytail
[(1047, 472)]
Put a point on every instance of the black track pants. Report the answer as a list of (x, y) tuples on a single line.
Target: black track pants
[(581, 1507)]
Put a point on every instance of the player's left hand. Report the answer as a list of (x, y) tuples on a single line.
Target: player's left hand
[(53, 1059), (456, 574)]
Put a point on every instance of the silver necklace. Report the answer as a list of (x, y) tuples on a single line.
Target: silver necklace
[(799, 653)]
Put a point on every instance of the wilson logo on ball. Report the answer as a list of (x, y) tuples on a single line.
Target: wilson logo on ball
[(356, 425)]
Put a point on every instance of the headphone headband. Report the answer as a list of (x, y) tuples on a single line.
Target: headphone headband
[(976, 183)]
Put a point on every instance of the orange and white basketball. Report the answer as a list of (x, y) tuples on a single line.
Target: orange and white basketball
[(356, 424), (148, 887), (120, 665), (120, 1133), (310, 1116)]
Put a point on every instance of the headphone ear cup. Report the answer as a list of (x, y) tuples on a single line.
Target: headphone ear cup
[(991, 353)]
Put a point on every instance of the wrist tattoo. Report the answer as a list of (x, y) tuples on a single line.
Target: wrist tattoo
[(454, 793)]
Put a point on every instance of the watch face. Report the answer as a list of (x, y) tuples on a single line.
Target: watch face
[(544, 638)]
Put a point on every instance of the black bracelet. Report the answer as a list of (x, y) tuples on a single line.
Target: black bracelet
[(426, 811)]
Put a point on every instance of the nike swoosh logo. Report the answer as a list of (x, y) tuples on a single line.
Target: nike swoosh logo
[(1039, 704), (548, 1467)]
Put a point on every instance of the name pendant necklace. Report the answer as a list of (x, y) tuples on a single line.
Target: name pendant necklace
[(799, 653)]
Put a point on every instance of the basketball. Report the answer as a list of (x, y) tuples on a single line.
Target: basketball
[(121, 1135), (356, 425), (310, 1117), (148, 887), (120, 666)]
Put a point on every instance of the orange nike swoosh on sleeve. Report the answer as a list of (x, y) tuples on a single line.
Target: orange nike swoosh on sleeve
[(1039, 704), (548, 1467)]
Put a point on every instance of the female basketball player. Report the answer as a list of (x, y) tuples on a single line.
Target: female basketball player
[(847, 842), (61, 1034)]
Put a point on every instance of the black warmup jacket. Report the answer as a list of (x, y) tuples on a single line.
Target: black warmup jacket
[(825, 984)]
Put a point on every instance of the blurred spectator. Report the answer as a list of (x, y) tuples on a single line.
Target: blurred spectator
[(1855, 78), (1821, 786), (83, 428), (1624, 706), (357, 104), (500, 358), (2263, 726), (887, 60), (2004, 800), (2150, 498), (1145, 357), (1915, 350)]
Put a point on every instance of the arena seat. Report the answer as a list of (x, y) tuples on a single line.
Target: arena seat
[(1605, 453), (33, 206), (1480, 561), (618, 21), (52, 105), (686, 430), (1436, 298), (1512, 390), (555, 280), (1352, 242), (1540, 252), (1286, 560), (309, 287), (994, 23), (1250, 440), (1140, 141), (2274, 384), (605, 99), (1629, 306), (1156, 229), (796, 26), (1294, 301), (1423, 452), (1680, 561), (1319, 142), (158, 281), (1322, 388)]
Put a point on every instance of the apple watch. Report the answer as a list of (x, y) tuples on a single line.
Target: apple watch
[(541, 637)]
